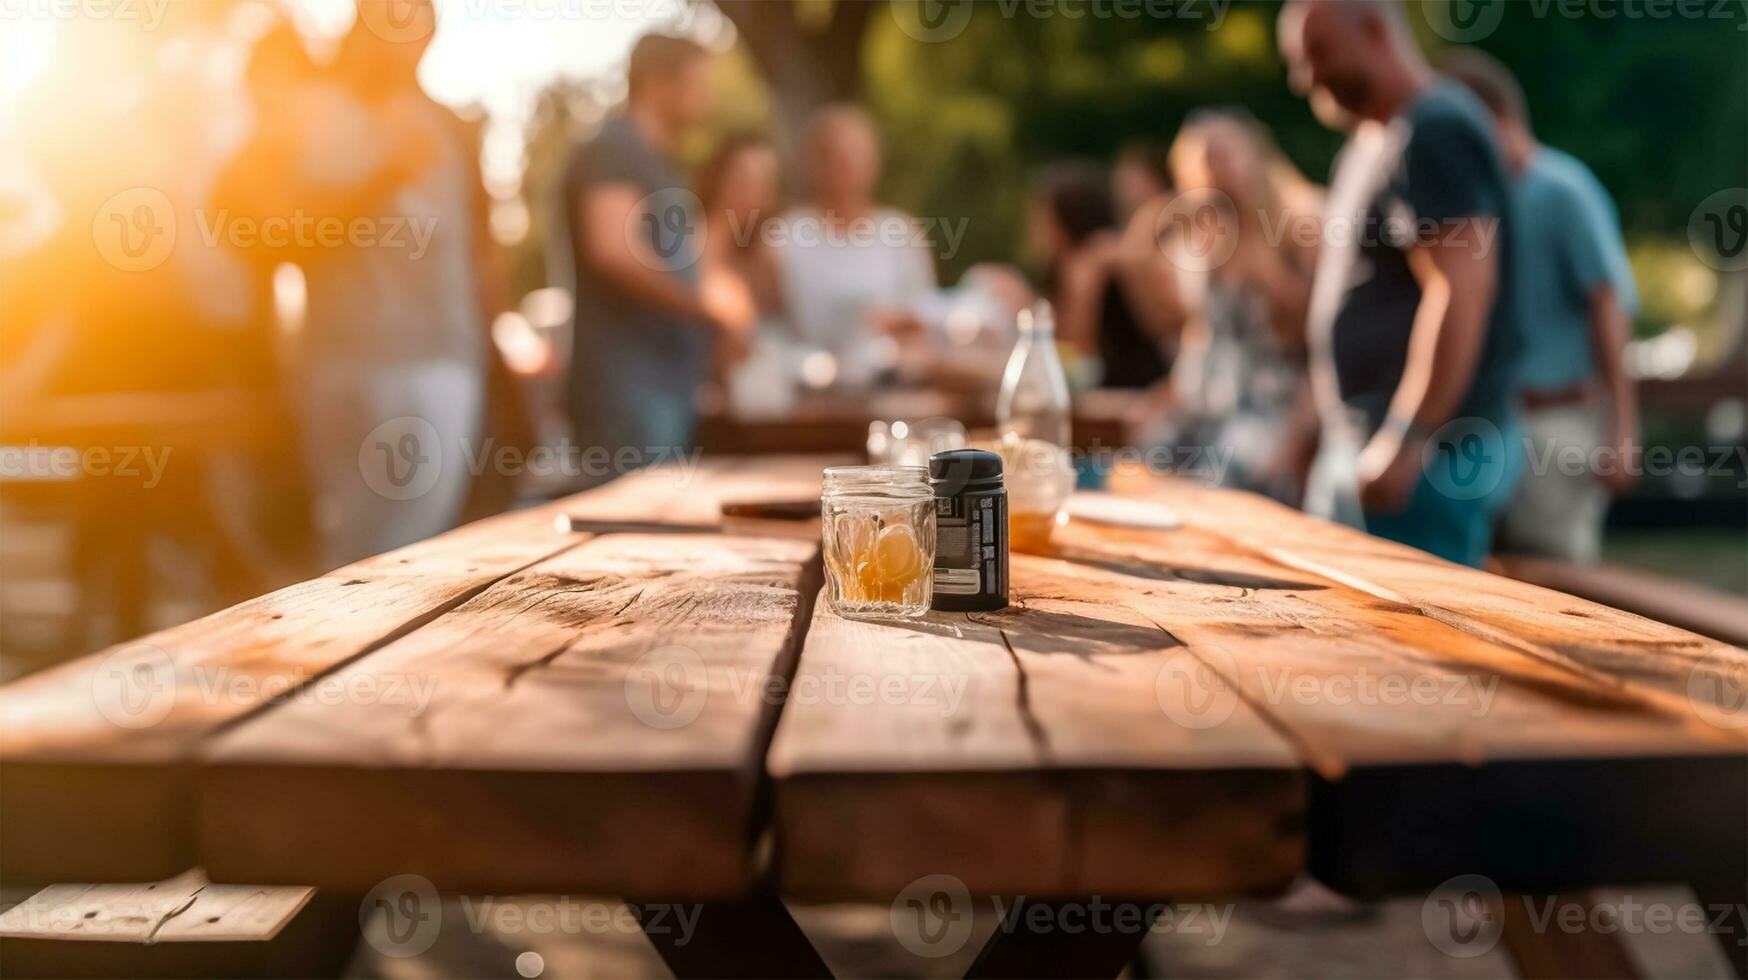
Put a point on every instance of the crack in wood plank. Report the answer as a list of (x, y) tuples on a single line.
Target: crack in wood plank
[(152, 936), (406, 628), (1035, 732), (515, 671), (1326, 764)]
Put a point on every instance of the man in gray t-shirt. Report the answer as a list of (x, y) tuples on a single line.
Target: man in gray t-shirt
[(644, 329)]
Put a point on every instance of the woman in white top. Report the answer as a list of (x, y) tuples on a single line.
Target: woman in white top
[(853, 272)]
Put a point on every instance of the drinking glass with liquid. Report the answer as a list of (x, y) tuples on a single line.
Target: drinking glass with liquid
[(878, 530)]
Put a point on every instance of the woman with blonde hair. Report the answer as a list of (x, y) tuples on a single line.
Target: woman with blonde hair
[(1240, 238)]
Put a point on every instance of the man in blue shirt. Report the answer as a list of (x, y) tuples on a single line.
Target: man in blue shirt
[(1580, 411), (1412, 322)]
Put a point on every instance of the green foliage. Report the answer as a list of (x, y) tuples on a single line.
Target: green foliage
[(1658, 107)]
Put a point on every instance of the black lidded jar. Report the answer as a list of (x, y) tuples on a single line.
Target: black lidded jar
[(971, 531)]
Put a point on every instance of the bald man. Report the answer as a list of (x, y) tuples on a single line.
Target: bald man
[(1413, 320)]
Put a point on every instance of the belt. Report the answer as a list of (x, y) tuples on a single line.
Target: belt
[(1575, 394)]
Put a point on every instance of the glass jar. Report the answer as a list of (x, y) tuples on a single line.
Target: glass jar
[(878, 530)]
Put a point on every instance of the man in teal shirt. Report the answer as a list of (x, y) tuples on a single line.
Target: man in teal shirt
[(1580, 413)]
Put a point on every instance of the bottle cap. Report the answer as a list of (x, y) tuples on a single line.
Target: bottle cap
[(958, 470), (1039, 320)]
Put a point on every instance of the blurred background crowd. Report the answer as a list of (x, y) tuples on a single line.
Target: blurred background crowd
[(260, 258)]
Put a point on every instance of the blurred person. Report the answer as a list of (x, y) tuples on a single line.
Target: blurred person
[(1238, 384), (391, 357), (1141, 173), (1290, 35), (1413, 321), (412, 326), (1578, 301), (645, 319), (109, 118), (509, 421), (1149, 277), (853, 271), (1072, 227), (108, 300), (740, 188)]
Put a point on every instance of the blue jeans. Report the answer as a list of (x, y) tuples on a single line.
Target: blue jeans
[(1463, 488)]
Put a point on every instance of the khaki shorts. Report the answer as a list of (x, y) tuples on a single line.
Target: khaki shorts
[(1559, 508)]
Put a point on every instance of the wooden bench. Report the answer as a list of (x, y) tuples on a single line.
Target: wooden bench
[(1706, 611), (180, 927)]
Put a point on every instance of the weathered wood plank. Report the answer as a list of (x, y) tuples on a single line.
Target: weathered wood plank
[(1688, 605), (1337, 668), (1540, 622), (594, 723), (94, 753), (183, 926), (1592, 762), (1023, 752)]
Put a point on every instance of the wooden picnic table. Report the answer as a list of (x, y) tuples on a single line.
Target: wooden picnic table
[(149, 474), (571, 699), (837, 422)]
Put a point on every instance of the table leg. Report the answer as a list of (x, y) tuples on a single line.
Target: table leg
[(1728, 899), (1065, 939), (751, 936)]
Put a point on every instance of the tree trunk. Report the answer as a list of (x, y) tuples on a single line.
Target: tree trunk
[(807, 66)]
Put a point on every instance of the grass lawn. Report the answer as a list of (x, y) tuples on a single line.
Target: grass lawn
[(1717, 557)]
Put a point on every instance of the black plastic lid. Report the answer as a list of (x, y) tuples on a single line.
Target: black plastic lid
[(957, 470)]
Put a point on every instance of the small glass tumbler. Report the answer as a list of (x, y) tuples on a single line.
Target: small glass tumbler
[(878, 526)]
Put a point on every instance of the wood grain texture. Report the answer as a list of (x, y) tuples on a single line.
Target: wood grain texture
[(595, 723), (1354, 680), (1624, 648), (1023, 752), (95, 754), (1688, 605), (1598, 758), (183, 926), (1281, 623), (185, 908), (1191, 712)]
